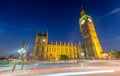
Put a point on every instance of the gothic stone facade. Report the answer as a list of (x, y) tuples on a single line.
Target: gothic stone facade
[(53, 50)]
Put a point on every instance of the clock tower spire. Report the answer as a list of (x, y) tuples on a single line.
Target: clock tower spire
[(83, 11), (92, 45)]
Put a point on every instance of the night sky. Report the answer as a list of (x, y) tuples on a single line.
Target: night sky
[(19, 20)]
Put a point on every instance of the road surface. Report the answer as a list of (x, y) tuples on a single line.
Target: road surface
[(83, 68)]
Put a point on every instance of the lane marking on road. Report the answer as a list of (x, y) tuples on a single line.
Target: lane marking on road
[(80, 73)]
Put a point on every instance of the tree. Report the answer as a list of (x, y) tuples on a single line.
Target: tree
[(64, 57), (115, 54), (11, 56)]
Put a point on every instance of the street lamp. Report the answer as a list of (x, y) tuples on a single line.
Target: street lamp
[(21, 51), (82, 54)]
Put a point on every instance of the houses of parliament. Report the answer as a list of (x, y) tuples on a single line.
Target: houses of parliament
[(44, 50)]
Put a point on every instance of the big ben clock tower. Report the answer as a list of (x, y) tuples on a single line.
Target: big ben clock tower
[(91, 42)]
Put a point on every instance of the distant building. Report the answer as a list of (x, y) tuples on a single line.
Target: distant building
[(43, 50), (52, 51), (92, 45)]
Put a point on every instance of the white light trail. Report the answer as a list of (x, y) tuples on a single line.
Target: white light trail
[(80, 73), (4, 69)]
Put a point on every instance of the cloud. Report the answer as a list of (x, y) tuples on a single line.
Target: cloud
[(117, 38), (109, 13), (114, 11)]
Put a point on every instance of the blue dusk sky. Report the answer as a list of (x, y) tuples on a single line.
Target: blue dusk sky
[(19, 20)]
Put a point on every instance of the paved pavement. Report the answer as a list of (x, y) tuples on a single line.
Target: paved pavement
[(83, 68)]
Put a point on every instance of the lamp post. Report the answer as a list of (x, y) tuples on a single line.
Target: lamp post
[(22, 52), (82, 54)]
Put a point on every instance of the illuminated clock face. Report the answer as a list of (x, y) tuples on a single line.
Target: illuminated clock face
[(83, 21), (89, 19)]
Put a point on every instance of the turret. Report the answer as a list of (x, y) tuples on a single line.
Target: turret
[(82, 12)]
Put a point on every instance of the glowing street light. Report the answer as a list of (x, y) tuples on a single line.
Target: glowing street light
[(21, 51), (82, 54)]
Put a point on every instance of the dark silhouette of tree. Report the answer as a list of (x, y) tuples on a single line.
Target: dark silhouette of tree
[(11, 56), (63, 57)]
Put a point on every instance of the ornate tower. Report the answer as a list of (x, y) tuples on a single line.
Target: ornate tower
[(40, 46), (91, 42)]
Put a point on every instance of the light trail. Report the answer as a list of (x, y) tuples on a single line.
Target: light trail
[(80, 73), (6, 69)]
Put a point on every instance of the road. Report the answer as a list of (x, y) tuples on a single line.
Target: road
[(83, 68)]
